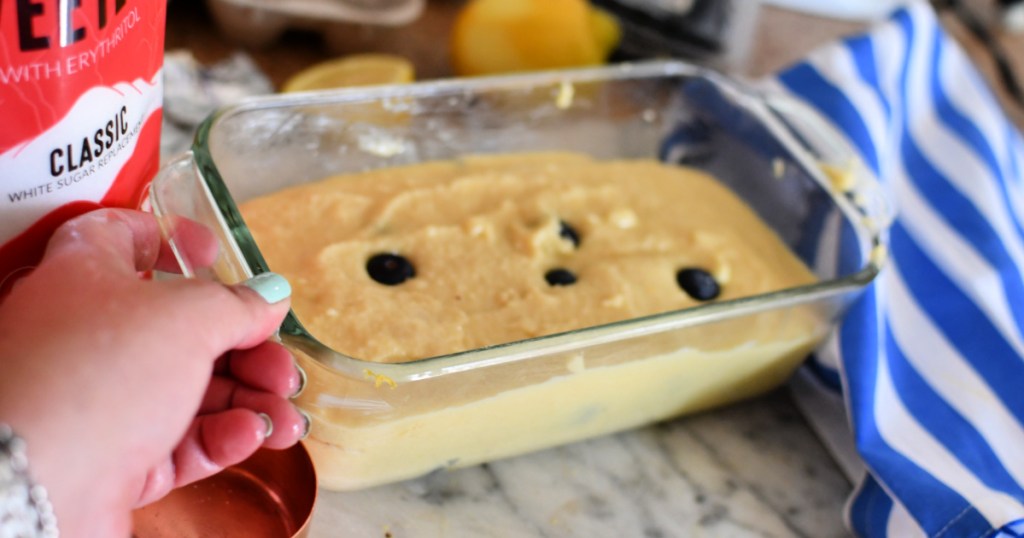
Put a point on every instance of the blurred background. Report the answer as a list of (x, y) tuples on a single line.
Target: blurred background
[(745, 37), (219, 51)]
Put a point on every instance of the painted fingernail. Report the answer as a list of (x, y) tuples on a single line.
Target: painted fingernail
[(269, 423), (272, 287), (302, 381), (309, 423)]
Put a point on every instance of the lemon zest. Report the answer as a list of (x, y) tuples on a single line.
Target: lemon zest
[(379, 379)]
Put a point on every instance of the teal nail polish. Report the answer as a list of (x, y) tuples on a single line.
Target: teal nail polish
[(271, 286)]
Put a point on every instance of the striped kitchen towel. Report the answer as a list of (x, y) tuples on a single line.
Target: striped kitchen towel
[(930, 362)]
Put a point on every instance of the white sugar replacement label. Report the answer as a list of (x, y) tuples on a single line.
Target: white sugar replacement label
[(80, 102)]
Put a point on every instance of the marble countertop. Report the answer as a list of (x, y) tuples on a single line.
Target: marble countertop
[(753, 469)]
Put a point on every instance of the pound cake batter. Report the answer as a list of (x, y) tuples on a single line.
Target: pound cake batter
[(413, 262), (405, 263)]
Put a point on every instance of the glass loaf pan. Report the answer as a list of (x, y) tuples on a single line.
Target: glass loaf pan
[(377, 423)]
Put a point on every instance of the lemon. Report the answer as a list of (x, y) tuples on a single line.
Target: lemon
[(354, 70), (606, 31), (499, 36)]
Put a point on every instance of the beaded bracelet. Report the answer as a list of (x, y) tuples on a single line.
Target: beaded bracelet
[(25, 511)]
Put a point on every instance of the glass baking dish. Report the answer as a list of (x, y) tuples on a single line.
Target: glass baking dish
[(376, 423)]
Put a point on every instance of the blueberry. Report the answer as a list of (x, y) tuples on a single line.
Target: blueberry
[(569, 233), (560, 277), (698, 283), (390, 269)]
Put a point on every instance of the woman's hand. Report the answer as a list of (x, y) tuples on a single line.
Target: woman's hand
[(124, 387)]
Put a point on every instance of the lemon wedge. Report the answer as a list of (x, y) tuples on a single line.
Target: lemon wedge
[(350, 71)]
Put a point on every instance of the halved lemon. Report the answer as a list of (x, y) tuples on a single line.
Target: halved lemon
[(350, 71), (501, 36)]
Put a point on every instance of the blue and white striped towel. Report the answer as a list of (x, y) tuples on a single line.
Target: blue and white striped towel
[(932, 358)]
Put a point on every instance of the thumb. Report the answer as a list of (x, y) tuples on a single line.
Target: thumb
[(230, 317), (118, 240), (128, 241)]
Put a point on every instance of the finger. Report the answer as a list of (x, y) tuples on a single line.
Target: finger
[(227, 317), (268, 367), (159, 482), (217, 441), (289, 426), (212, 443)]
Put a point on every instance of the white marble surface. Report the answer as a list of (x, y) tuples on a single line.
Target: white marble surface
[(753, 469)]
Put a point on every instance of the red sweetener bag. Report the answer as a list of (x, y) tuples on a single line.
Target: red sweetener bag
[(80, 110)]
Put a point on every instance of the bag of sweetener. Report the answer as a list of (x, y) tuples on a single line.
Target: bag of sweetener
[(80, 113)]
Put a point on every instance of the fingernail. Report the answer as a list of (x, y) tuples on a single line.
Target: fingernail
[(272, 287), (309, 423), (269, 423), (302, 381)]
